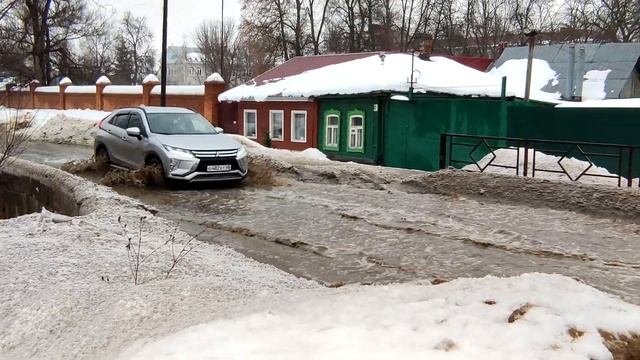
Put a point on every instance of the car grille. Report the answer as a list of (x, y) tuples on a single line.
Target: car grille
[(204, 154)]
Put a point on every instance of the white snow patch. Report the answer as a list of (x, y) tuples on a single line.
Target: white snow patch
[(312, 155), (541, 75), (400, 97), (180, 90), (48, 89), (609, 103), (65, 81), (103, 80), (67, 290), (59, 126), (593, 85), (462, 319), (84, 89), (370, 74), (123, 89), (150, 79), (544, 161), (215, 77)]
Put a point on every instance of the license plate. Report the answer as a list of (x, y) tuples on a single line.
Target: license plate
[(214, 168)]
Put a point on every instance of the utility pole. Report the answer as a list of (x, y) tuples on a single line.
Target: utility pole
[(163, 82), (222, 40), (531, 37)]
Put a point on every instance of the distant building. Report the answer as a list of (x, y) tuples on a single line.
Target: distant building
[(587, 71), (185, 66)]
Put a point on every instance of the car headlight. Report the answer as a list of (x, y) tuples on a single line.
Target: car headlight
[(178, 150), (242, 153)]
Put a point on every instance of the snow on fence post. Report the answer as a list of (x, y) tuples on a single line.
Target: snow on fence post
[(213, 86), (101, 83), (63, 84), (149, 82), (33, 85)]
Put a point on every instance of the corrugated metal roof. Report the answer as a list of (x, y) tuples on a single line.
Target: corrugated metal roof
[(620, 58)]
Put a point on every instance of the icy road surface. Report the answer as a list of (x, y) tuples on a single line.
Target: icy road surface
[(343, 234)]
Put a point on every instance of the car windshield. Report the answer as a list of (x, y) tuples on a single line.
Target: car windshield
[(179, 124)]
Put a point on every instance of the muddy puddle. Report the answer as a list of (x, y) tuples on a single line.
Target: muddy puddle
[(338, 233)]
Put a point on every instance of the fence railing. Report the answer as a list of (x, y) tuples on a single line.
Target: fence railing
[(522, 157)]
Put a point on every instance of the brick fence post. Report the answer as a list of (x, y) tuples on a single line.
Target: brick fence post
[(63, 84), (33, 85), (148, 84), (213, 86), (101, 83)]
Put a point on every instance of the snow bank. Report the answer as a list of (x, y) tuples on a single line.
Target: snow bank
[(463, 319), (67, 290), (516, 72), (547, 162), (593, 85), (59, 126), (369, 74), (310, 155), (180, 90)]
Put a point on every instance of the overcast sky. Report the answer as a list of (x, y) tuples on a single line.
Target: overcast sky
[(184, 15)]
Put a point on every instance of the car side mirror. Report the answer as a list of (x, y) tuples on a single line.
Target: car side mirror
[(134, 132), (220, 130)]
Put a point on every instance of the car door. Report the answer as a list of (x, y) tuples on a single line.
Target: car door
[(132, 147), (115, 127)]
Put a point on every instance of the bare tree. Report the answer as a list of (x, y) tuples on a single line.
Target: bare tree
[(136, 37), (15, 130), (317, 23)]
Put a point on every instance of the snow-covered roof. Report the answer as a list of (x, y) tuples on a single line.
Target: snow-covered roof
[(620, 58), (374, 74), (609, 103)]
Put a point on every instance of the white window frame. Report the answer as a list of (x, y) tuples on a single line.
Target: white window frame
[(271, 112), (351, 128), (293, 122), (244, 120), (327, 127)]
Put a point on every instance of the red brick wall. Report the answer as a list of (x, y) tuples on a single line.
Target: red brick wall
[(193, 102), (80, 101), (263, 108), (47, 101), (116, 101)]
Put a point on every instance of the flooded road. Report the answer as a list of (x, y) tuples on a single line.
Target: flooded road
[(340, 234)]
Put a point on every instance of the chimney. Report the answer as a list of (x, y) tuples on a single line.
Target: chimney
[(571, 73), (580, 72)]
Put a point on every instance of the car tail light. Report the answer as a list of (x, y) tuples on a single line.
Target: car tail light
[(102, 122)]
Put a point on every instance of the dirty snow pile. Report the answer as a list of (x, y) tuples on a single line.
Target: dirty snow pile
[(58, 126), (532, 316), (67, 289), (544, 161), (376, 73), (307, 156)]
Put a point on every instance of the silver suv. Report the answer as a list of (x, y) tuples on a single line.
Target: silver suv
[(179, 141)]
